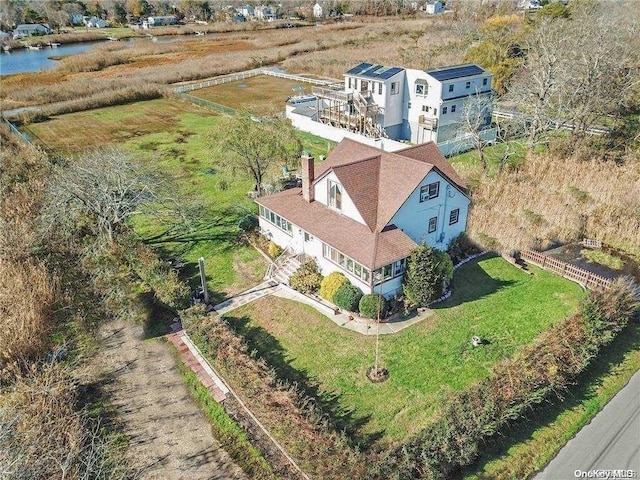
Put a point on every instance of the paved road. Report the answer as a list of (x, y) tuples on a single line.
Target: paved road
[(610, 441)]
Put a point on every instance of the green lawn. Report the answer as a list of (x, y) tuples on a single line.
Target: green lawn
[(492, 299), (173, 137)]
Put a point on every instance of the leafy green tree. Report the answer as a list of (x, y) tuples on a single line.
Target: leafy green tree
[(373, 305), (119, 13), (256, 145), (428, 273), (348, 297)]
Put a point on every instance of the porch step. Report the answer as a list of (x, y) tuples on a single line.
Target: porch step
[(283, 273)]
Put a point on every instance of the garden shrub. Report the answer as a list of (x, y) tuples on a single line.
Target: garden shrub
[(274, 250), (330, 285), (530, 377), (248, 223), (307, 278), (462, 247), (428, 274), (348, 297), (373, 305)]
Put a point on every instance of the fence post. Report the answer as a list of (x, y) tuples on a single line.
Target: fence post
[(544, 260)]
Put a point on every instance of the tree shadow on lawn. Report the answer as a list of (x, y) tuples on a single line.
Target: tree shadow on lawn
[(543, 414), (269, 347), (471, 282)]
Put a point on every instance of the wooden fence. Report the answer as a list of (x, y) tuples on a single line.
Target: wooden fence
[(217, 81), (577, 274), (298, 78)]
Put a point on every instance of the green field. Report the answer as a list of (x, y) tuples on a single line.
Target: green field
[(174, 137), (260, 95), (491, 299)]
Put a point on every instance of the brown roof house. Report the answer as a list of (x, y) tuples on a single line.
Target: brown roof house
[(363, 210)]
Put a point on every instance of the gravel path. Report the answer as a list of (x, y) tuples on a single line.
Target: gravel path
[(170, 438)]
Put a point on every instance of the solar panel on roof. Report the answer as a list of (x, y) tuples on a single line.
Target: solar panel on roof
[(455, 72), (373, 71)]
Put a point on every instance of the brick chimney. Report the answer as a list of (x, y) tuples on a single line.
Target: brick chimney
[(307, 176)]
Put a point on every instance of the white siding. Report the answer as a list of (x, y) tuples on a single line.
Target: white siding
[(413, 217), (321, 192)]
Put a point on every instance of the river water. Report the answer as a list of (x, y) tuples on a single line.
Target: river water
[(24, 60)]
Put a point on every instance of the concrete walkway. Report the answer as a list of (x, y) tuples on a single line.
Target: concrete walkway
[(265, 288), (360, 325)]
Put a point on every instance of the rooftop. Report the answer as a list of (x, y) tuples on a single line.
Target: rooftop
[(373, 71), (457, 71)]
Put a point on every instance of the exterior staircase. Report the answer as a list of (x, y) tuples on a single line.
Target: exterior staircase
[(284, 271)]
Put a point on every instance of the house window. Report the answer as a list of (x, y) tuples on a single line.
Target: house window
[(408, 104), (468, 85), (433, 224), (394, 88), (453, 108), (380, 88), (335, 195), (451, 87), (346, 263), (427, 192), (484, 81), (390, 271), (425, 108), (307, 237), (444, 110), (399, 267), (277, 220), (435, 111), (421, 89), (454, 216), (364, 86), (349, 82)]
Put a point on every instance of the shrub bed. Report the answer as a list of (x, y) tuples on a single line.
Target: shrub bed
[(330, 285), (307, 278), (546, 368), (373, 306), (348, 297)]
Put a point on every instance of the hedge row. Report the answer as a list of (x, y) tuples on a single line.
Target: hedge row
[(532, 376), (292, 417)]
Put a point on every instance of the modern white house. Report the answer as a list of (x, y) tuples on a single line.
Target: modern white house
[(28, 29), (404, 104), (317, 10), (363, 210), (160, 21)]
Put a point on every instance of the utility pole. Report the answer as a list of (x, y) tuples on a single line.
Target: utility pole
[(203, 280)]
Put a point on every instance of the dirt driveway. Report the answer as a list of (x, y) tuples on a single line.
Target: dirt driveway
[(170, 438)]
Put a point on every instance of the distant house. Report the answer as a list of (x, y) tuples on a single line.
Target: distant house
[(95, 22), (161, 21), (29, 29), (434, 7), (265, 13), (77, 19), (246, 11), (407, 104), (317, 11), (362, 211)]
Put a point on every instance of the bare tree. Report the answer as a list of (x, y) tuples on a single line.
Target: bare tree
[(104, 187), (475, 120), (256, 145)]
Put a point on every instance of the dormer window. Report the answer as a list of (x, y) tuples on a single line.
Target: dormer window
[(421, 88), (335, 195)]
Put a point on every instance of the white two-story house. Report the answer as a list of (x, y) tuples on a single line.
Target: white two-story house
[(363, 210), (407, 104)]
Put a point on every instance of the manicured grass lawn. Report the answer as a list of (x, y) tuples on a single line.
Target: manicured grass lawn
[(173, 137), (426, 361), (260, 95)]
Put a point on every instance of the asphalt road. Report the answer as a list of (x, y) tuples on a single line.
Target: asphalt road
[(610, 442)]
